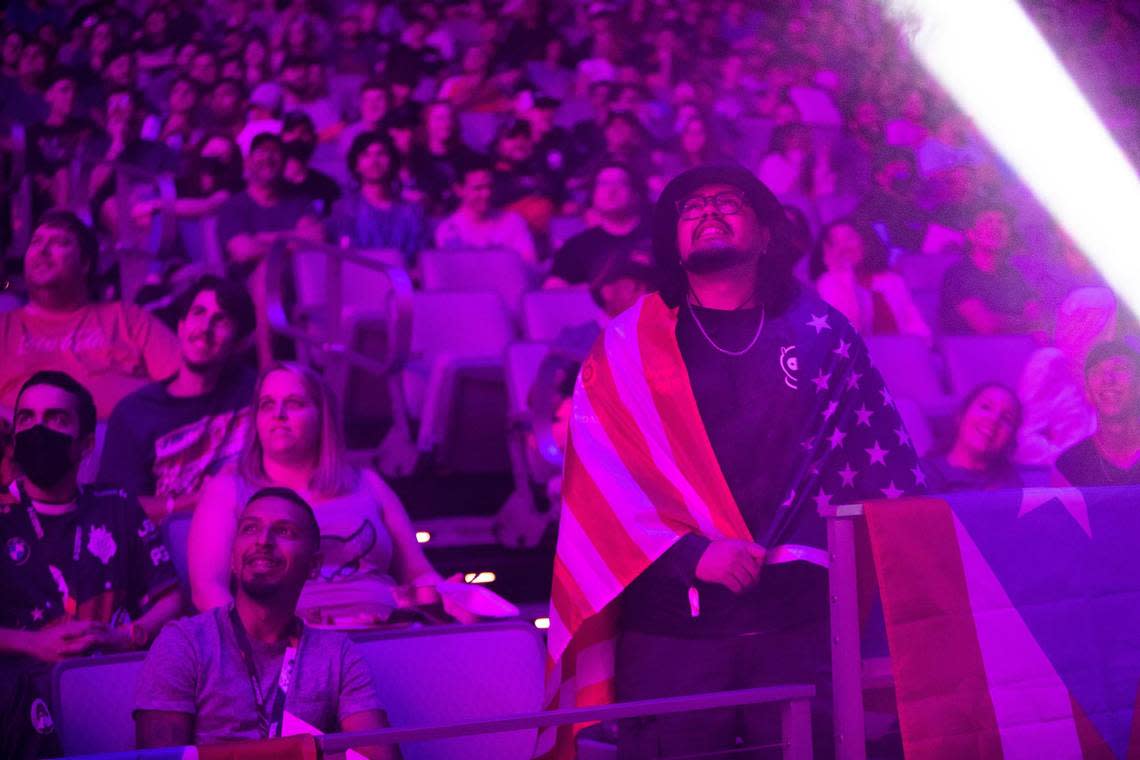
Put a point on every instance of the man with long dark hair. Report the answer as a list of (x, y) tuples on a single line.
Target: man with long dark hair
[(711, 423)]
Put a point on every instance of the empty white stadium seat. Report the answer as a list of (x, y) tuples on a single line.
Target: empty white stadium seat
[(459, 324), (972, 360), (458, 340), (545, 313), (494, 271), (908, 367), (445, 675), (362, 289)]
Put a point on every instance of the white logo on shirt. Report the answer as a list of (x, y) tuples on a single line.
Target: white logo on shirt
[(790, 365)]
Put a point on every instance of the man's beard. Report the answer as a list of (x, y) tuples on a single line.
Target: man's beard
[(260, 590), (704, 261)]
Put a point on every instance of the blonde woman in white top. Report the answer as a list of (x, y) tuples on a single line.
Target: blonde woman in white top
[(368, 546)]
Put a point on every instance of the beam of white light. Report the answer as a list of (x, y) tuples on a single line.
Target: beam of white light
[(990, 57)]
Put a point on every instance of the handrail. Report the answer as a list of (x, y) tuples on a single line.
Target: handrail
[(397, 304), (791, 694)]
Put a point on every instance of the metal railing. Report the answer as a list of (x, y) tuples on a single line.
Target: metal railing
[(793, 701), (324, 333)]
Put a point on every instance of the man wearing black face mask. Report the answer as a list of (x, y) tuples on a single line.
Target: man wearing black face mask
[(83, 569), (300, 139)]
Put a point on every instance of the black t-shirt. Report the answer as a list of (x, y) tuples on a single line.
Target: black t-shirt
[(1004, 291), (583, 257), (436, 175), (242, 215), (158, 444), (792, 422), (318, 187), (103, 561), (1083, 465)]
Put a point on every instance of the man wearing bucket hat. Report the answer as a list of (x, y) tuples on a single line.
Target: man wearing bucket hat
[(711, 423)]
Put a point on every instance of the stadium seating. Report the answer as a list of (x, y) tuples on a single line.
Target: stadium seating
[(908, 368), (534, 456), (362, 288), (457, 345), (545, 313), (972, 360), (494, 271), (424, 677)]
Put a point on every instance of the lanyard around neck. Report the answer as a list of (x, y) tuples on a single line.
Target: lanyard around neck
[(270, 707)]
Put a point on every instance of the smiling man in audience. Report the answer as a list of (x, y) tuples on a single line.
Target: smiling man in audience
[(252, 670)]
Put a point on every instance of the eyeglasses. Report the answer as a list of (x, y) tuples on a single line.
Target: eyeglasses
[(694, 206)]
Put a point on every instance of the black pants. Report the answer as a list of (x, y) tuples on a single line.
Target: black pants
[(26, 728), (649, 666)]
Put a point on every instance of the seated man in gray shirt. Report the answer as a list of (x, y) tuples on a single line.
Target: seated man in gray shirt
[(248, 670)]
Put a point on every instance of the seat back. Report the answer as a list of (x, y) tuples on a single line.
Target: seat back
[(93, 698), (972, 360), (459, 324), (545, 313), (425, 676), (495, 271), (923, 272), (908, 368), (361, 288), (448, 674)]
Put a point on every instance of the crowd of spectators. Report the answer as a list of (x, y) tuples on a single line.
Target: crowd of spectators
[(546, 128)]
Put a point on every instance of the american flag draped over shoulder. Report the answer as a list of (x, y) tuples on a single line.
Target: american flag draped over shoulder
[(640, 473)]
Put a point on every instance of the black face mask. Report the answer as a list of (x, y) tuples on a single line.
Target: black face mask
[(43, 455)]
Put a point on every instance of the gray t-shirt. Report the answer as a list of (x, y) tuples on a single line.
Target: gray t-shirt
[(194, 666)]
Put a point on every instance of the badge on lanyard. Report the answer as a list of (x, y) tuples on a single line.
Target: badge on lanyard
[(270, 707)]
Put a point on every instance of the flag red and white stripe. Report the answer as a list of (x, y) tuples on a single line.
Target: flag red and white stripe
[(640, 473)]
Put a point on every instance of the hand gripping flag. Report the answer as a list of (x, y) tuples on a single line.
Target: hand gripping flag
[(640, 473)]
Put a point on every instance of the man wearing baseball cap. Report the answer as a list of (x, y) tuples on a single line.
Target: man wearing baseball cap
[(712, 421)]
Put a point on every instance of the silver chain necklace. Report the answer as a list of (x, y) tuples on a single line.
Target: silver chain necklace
[(725, 351)]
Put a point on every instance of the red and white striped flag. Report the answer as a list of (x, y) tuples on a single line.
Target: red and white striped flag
[(640, 473)]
